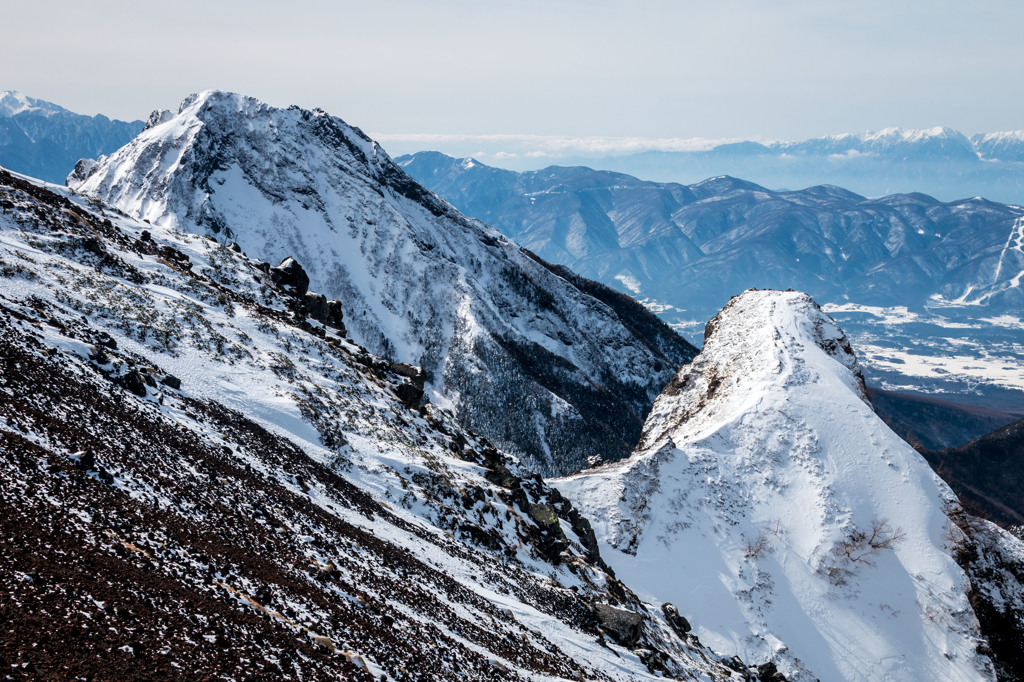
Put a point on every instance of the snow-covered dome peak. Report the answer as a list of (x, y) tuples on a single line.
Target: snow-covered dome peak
[(13, 103), (761, 339)]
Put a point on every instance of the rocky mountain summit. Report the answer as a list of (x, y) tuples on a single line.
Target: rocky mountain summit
[(546, 364), (790, 524)]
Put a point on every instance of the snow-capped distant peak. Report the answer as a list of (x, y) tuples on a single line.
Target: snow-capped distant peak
[(13, 103), (798, 527), (1004, 135), (912, 135)]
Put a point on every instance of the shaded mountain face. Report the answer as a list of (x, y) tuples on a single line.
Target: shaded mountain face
[(547, 365), (929, 291), (987, 473), (929, 423), (785, 519), (201, 478), (45, 141)]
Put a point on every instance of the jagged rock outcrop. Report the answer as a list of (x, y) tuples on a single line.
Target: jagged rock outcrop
[(291, 276)]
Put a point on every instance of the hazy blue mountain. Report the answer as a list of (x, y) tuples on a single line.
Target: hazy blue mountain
[(940, 161), (45, 141), (912, 278)]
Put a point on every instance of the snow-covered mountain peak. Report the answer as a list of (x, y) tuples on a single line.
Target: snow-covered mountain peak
[(798, 526), (913, 135), (762, 340), (492, 325), (13, 103), (153, 176)]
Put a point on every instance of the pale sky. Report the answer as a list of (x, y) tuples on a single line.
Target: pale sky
[(784, 69)]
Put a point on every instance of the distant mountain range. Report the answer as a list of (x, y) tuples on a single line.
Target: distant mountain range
[(45, 141), (912, 278), (940, 161)]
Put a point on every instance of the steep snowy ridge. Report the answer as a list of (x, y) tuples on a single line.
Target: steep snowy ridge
[(201, 479), (498, 331), (782, 516)]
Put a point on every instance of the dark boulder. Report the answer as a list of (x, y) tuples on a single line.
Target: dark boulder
[(497, 472), (677, 621), (409, 372), (767, 672), (585, 532), (88, 460), (551, 541), (334, 316), (106, 340), (290, 275), (315, 306), (99, 356), (133, 382), (172, 381), (410, 394), (621, 625)]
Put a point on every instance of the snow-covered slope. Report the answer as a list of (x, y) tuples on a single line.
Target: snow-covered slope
[(201, 480), (1007, 145), (782, 516), (552, 367)]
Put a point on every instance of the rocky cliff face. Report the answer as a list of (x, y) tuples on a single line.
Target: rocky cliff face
[(786, 521), (553, 368)]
